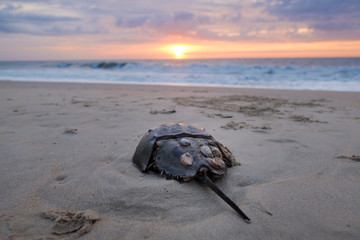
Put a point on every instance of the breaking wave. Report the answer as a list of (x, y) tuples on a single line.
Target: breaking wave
[(313, 73)]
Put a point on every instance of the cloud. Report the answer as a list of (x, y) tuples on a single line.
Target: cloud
[(187, 18), (232, 19), (334, 27), (177, 23), (34, 19), (11, 13), (17, 19), (318, 13), (183, 16), (133, 22), (310, 10), (272, 20), (325, 19)]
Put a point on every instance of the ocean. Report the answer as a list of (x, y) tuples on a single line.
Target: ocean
[(336, 74)]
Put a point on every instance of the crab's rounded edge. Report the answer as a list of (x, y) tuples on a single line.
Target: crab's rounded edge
[(142, 157)]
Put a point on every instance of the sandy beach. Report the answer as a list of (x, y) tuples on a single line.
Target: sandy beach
[(66, 169)]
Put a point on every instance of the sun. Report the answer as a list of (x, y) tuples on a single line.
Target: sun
[(178, 51)]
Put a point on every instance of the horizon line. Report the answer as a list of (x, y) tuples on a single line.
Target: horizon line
[(171, 59)]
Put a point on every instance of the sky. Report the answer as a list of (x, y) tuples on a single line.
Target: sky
[(167, 29)]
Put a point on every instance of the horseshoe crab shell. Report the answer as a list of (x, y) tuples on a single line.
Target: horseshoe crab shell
[(143, 156), (183, 152)]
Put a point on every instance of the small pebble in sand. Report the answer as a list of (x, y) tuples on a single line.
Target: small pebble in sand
[(70, 131), (168, 110)]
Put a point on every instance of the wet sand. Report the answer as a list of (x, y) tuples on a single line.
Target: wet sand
[(66, 169)]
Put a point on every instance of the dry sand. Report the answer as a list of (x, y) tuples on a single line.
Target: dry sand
[(66, 168)]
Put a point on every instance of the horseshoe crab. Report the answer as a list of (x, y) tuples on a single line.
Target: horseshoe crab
[(183, 152)]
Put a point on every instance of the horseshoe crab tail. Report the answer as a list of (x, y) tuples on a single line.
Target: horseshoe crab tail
[(205, 179)]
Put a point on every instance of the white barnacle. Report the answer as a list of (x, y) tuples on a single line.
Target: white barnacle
[(216, 162), (216, 152), (206, 151), (185, 142), (186, 159)]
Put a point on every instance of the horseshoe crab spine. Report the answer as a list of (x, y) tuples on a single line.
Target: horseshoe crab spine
[(205, 179)]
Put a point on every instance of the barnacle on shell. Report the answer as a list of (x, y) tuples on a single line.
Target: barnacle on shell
[(186, 159), (217, 163), (216, 152), (206, 151), (185, 142)]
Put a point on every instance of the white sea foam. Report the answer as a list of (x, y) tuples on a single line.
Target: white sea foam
[(341, 74)]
